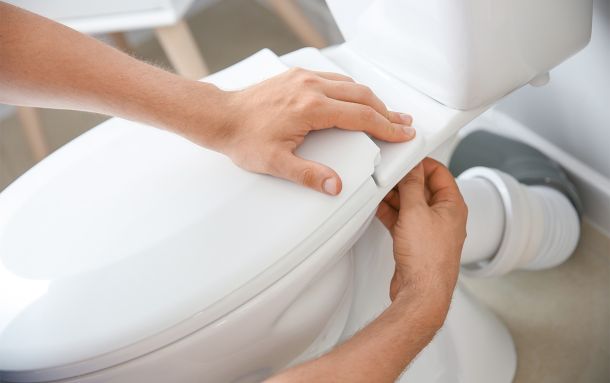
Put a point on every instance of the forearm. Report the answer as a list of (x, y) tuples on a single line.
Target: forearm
[(380, 351), (46, 64)]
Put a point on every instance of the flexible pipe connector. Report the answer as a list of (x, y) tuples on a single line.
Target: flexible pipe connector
[(514, 226)]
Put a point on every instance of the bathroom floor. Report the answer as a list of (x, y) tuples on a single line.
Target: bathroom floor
[(559, 318)]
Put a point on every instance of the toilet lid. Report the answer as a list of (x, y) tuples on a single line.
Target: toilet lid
[(129, 231)]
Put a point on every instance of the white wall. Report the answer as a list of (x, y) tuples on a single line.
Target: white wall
[(573, 110)]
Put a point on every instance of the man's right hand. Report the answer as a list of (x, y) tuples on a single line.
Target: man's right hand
[(426, 216)]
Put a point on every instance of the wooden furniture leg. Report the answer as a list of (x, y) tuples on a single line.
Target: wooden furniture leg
[(120, 41), (181, 49), (32, 129), (293, 16)]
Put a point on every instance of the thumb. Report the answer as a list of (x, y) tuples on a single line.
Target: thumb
[(307, 173), (412, 187)]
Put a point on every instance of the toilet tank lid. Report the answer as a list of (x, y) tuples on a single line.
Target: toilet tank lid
[(347, 14), (129, 231)]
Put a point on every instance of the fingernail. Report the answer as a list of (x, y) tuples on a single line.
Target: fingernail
[(330, 186), (409, 131), (406, 118)]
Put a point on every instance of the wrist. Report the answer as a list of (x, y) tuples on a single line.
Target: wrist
[(432, 302), (193, 109), (439, 281)]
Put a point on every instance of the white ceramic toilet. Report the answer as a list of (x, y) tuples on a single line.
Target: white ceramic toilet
[(133, 255)]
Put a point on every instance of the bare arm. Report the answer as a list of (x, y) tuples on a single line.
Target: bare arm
[(49, 65), (43, 63), (379, 352), (427, 218)]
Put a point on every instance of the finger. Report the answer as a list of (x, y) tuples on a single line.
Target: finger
[(361, 94), (358, 117), (357, 93), (393, 199), (441, 183), (334, 76), (411, 188), (307, 173), (400, 118), (387, 215)]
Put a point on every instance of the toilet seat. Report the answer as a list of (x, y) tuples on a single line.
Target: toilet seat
[(101, 282)]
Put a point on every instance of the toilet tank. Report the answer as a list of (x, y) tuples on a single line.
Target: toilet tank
[(465, 53)]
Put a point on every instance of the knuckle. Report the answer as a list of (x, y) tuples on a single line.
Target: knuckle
[(367, 114), (310, 102), (382, 209), (366, 92), (306, 176), (411, 179), (315, 101), (295, 71), (308, 79), (392, 132)]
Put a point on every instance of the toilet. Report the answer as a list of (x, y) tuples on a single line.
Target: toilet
[(132, 255)]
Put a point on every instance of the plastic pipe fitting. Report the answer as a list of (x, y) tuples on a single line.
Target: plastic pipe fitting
[(514, 226)]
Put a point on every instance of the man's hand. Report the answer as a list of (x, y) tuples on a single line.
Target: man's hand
[(426, 216), (266, 123)]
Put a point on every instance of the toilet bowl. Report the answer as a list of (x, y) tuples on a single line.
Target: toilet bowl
[(131, 254)]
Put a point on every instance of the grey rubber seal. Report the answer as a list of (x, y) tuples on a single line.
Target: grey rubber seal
[(526, 164)]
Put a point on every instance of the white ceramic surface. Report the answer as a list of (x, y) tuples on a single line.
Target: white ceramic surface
[(465, 53), (307, 307)]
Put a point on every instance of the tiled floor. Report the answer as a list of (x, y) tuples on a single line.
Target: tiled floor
[(560, 318)]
